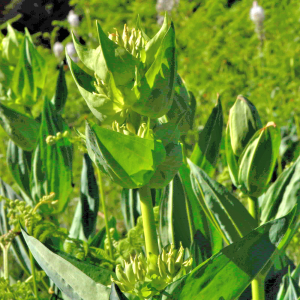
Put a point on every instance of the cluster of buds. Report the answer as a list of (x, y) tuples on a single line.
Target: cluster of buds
[(251, 149), (132, 42), (19, 211), (51, 139), (146, 278), (7, 238)]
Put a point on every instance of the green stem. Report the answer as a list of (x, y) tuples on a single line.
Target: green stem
[(148, 220), (101, 194), (33, 270), (257, 284)]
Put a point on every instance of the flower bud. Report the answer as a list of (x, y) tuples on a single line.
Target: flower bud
[(243, 122), (257, 14), (71, 51), (258, 160), (73, 19), (58, 50)]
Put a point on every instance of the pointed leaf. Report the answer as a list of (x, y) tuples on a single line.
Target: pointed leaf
[(21, 129), (206, 151), (226, 212), (139, 27), (61, 93), (227, 274), (69, 279)]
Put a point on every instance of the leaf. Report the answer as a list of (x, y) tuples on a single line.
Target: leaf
[(134, 165), (18, 245), (84, 223), (139, 27), (155, 89), (18, 162), (102, 107), (227, 274), (283, 192), (69, 279), (173, 217), (21, 129), (116, 293), (206, 151), (183, 107), (53, 162), (129, 203), (114, 59), (61, 92), (226, 212)]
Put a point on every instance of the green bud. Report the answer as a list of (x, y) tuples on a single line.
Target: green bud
[(243, 122), (121, 275), (129, 273), (162, 267), (258, 160), (171, 264)]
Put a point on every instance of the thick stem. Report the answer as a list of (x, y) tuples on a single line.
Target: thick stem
[(5, 249), (101, 194), (148, 220), (257, 284)]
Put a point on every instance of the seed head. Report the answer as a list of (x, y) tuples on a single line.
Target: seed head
[(257, 14)]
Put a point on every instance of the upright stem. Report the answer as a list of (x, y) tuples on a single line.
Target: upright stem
[(5, 249), (35, 289), (101, 194), (257, 284), (148, 220)]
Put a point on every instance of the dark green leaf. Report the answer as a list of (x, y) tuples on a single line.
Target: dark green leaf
[(206, 151), (70, 280), (61, 92), (18, 162), (227, 274), (226, 212), (21, 129), (129, 205)]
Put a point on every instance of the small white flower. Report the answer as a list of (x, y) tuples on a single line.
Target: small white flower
[(58, 49), (73, 19), (257, 14), (72, 52)]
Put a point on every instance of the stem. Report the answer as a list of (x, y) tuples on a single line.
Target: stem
[(257, 284), (101, 194), (33, 270), (148, 221), (5, 249)]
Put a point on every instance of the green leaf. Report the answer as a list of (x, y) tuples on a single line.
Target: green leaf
[(227, 274), (61, 91), (155, 89), (257, 162), (84, 222), (129, 203), (183, 107), (206, 151), (18, 246), (283, 192), (134, 165), (53, 161), (10, 46), (232, 160), (21, 129), (69, 279), (226, 212), (116, 293), (102, 107), (18, 162), (139, 27), (173, 216), (114, 59)]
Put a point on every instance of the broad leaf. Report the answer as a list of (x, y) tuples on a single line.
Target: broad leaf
[(69, 279), (206, 151), (227, 274), (22, 129), (52, 164), (226, 212), (134, 165)]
